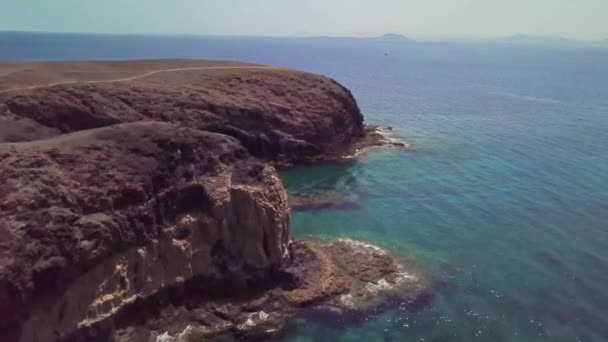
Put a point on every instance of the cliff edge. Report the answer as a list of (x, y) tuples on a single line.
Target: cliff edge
[(280, 115)]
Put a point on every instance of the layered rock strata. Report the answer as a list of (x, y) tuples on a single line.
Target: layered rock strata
[(340, 275), (97, 220)]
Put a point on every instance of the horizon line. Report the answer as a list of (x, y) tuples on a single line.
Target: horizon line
[(353, 36)]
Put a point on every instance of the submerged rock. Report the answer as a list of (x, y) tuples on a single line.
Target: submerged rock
[(319, 200)]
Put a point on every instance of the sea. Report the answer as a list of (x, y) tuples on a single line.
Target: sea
[(500, 200)]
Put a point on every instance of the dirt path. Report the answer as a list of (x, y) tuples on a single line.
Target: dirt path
[(132, 78)]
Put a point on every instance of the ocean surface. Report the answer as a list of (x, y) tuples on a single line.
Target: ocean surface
[(501, 199)]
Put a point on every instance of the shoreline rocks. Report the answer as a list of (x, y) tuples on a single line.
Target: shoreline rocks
[(376, 137), (327, 274)]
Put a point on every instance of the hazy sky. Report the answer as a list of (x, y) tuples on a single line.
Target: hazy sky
[(586, 19)]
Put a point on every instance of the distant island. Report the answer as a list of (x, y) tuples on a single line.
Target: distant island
[(392, 36), (525, 39), (516, 39), (387, 36)]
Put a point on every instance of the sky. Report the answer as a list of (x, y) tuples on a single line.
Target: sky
[(580, 19)]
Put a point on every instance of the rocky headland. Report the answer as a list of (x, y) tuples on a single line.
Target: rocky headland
[(140, 200)]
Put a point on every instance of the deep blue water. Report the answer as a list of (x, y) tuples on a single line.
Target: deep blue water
[(502, 197)]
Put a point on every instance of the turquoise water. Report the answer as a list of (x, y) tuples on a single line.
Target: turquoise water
[(508, 261), (501, 199)]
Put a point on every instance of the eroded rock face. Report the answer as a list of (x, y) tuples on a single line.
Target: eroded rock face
[(154, 206), (342, 275)]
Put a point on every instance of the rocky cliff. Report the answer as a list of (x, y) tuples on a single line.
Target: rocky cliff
[(95, 220), (131, 187), (279, 115)]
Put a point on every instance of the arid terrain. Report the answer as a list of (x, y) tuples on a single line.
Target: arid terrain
[(278, 114)]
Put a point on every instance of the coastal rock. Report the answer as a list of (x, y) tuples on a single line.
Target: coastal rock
[(376, 136), (328, 273), (102, 219), (280, 115), (139, 200)]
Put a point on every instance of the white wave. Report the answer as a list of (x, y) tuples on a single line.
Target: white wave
[(380, 285), (165, 337), (253, 320), (348, 301), (362, 245)]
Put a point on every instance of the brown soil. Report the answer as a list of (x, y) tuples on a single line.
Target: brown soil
[(17, 74)]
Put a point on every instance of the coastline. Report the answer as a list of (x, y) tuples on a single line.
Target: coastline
[(163, 188), (377, 137), (333, 282)]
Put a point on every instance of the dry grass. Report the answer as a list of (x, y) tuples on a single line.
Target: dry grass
[(13, 75)]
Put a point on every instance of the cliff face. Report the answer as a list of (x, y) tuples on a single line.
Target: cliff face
[(131, 186), (96, 220)]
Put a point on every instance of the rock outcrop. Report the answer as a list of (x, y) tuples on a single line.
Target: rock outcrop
[(279, 115), (131, 191), (329, 274), (95, 220)]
